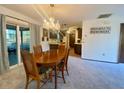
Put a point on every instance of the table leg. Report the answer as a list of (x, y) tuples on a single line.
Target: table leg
[(55, 77)]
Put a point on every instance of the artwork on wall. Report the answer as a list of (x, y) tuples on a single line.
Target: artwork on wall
[(53, 35), (100, 30), (45, 32)]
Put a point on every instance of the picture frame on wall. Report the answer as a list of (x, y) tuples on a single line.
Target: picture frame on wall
[(45, 32), (53, 35)]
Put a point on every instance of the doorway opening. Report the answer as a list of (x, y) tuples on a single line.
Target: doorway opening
[(121, 49)]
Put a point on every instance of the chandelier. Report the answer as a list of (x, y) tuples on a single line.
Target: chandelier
[(51, 23)]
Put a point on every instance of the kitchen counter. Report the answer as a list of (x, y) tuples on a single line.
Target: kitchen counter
[(54, 45), (77, 48)]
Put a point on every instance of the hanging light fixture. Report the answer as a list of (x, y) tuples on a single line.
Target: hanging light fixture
[(51, 23)]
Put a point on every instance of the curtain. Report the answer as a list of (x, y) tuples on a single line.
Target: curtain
[(4, 62), (35, 35)]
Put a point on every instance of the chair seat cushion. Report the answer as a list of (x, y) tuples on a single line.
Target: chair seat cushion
[(60, 64), (43, 69)]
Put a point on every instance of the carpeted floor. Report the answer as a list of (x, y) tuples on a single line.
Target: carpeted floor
[(83, 74)]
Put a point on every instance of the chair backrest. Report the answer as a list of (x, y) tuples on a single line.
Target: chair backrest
[(66, 56), (61, 47), (53, 53), (29, 63), (37, 51)]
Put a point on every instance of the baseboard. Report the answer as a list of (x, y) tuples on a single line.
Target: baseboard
[(99, 61)]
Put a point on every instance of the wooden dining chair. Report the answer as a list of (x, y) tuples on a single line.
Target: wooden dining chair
[(31, 69), (61, 47), (66, 60), (37, 51), (64, 63)]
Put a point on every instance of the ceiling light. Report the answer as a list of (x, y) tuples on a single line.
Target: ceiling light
[(51, 23)]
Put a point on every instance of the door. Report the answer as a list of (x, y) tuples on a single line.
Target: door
[(121, 56), (25, 38), (11, 38), (72, 40)]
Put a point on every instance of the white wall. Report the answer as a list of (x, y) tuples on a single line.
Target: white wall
[(102, 47), (9, 12)]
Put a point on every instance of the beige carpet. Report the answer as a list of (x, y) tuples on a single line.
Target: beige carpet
[(83, 74)]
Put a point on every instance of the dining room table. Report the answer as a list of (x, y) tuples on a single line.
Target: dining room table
[(51, 59)]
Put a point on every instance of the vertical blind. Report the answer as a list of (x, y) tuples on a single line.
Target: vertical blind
[(4, 63)]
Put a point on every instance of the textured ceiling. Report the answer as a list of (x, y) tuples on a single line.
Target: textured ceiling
[(67, 13)]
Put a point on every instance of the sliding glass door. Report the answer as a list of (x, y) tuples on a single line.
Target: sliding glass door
[(17, 37), (25, 38), (11, 36)]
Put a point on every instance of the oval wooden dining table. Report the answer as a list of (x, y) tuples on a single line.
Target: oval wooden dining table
[(51, 59)]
